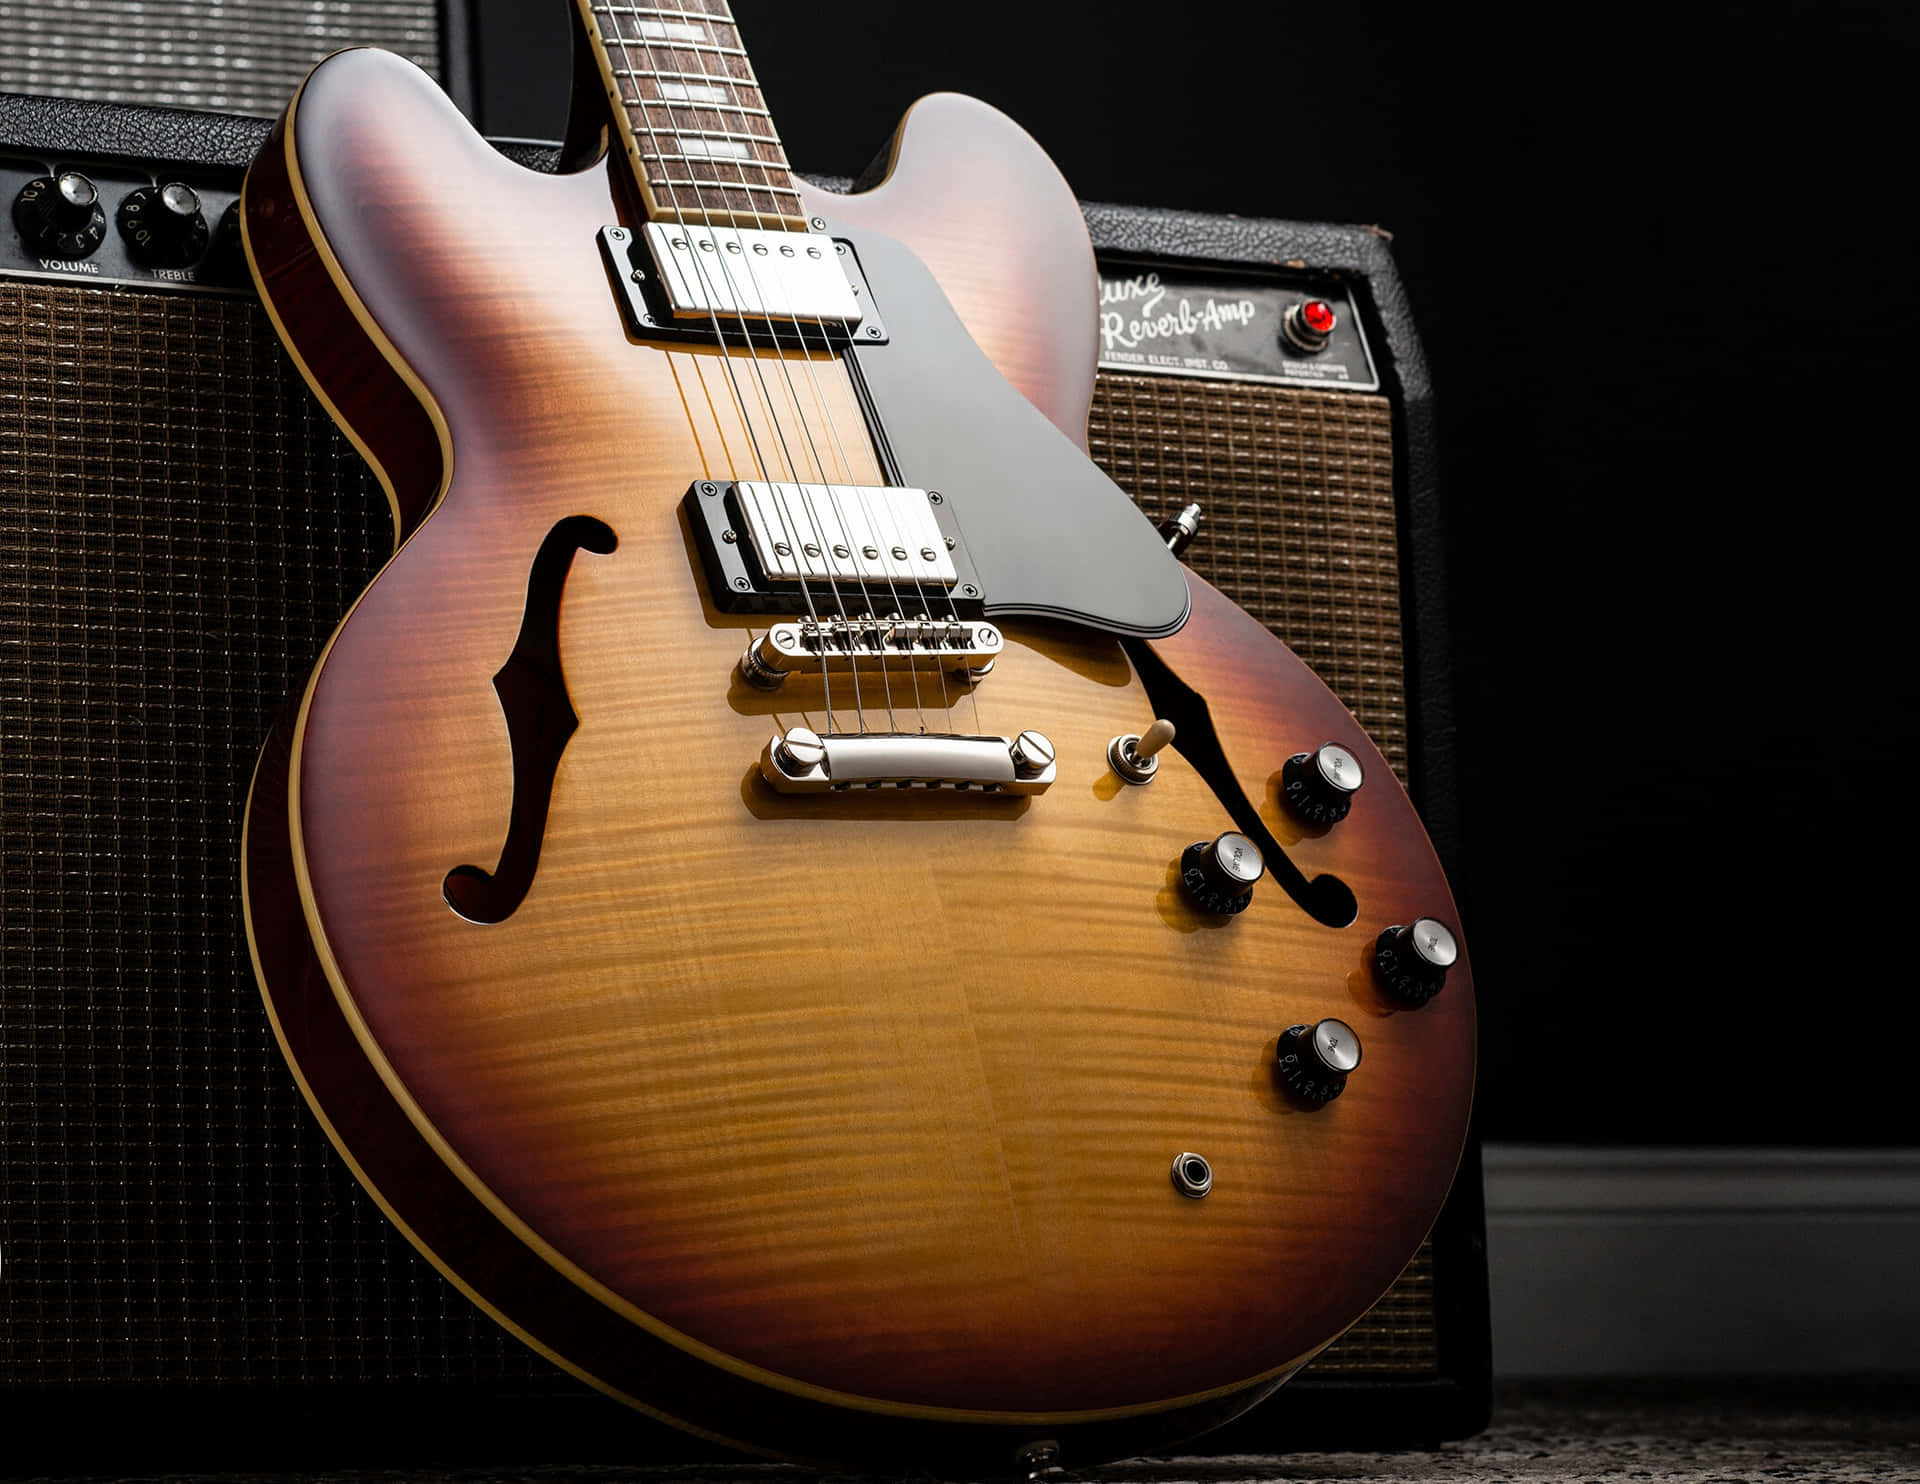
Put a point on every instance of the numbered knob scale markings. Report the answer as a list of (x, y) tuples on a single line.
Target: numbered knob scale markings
[(1314, 1061), (61, 216), (1218, 875), (1319, 786), (164, 225), (1412, 961)]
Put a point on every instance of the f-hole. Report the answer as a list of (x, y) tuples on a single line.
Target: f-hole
[(540, 720), (1325, 898)]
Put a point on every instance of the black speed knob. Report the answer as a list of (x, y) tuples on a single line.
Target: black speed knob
[(1314, 1060), (1218, 874), (60, 215), (1412, 961), (1319, 786), (164, 225)]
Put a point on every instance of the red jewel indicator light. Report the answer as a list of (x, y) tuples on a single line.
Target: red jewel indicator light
[(1308, 326)]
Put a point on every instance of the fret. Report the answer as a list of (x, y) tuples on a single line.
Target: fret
[(650, 45), (711, 79), (656, 10), (696, 159), (726, 185), (688, 105), (685, 133)]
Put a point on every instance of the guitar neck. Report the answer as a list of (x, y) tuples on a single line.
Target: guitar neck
[(689, 111)]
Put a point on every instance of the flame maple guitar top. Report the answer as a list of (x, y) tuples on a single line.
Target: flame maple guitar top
[(868, 1099)]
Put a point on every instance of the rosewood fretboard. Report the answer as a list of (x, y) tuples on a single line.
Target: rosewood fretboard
[(689, 110)]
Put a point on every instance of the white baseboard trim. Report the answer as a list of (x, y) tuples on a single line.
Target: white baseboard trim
[(1643, 1262)]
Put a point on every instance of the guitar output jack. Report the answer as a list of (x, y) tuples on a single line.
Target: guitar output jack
[(1192, 1175)]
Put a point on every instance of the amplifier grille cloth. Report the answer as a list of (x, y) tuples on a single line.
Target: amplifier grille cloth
[(1298, 528), (240, 56), (180, 528)]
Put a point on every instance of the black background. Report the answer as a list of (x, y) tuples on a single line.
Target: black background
[(1663, 272)]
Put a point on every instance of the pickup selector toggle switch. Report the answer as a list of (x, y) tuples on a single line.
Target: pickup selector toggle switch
[(60, 215), (1133, 758), (164, 226), (1314, 1060), (1319, 786), (1411, 962), (1218, 875)]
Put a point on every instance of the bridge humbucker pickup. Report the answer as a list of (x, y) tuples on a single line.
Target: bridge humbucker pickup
[(844, 533), (853, 561)]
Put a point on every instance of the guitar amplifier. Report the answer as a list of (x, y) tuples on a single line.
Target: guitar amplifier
[(245, 57), (181, 1250)]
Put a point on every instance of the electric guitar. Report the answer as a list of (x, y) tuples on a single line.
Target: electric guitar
[(784, 887)]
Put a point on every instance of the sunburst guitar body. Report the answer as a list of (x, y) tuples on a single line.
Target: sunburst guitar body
[(723, 887)]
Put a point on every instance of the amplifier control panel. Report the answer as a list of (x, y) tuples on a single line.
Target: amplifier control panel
[(1188, 319), (104, 221)]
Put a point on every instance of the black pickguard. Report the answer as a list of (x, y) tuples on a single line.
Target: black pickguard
[(1048, 533)]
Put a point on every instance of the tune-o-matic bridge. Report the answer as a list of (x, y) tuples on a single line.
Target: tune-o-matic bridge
[(804, 762), (809, 645)]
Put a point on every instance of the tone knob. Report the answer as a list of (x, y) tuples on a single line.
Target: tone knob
[(60, 215), (1319, 786), (228, 249), (164, 226), (1314, 1060), (1309, 325), (1412, 961), (1218, 875)]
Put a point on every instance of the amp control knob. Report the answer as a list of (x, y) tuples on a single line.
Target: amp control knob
[(164, 226), (1314, 1060), (1319, 786), (1411, 962), (1218, 875), (60, 215)]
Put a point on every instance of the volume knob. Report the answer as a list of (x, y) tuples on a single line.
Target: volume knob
[(1314, 1060), (1218, 875), (164, 226), (60, 215), (1319, 786), (1412, 961)]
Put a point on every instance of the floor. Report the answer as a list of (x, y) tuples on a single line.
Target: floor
[(1679, 1433)]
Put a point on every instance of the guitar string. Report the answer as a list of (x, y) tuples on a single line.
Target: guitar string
[(726, 361), (789, 522), (785, 375), (833, 426), (820, 400), (953, 608), (758, 373)]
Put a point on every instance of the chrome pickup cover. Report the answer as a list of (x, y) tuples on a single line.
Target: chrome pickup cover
[(844, 533), (743, 272)]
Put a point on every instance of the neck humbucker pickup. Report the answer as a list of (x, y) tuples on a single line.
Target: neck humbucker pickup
[(746, 272)]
